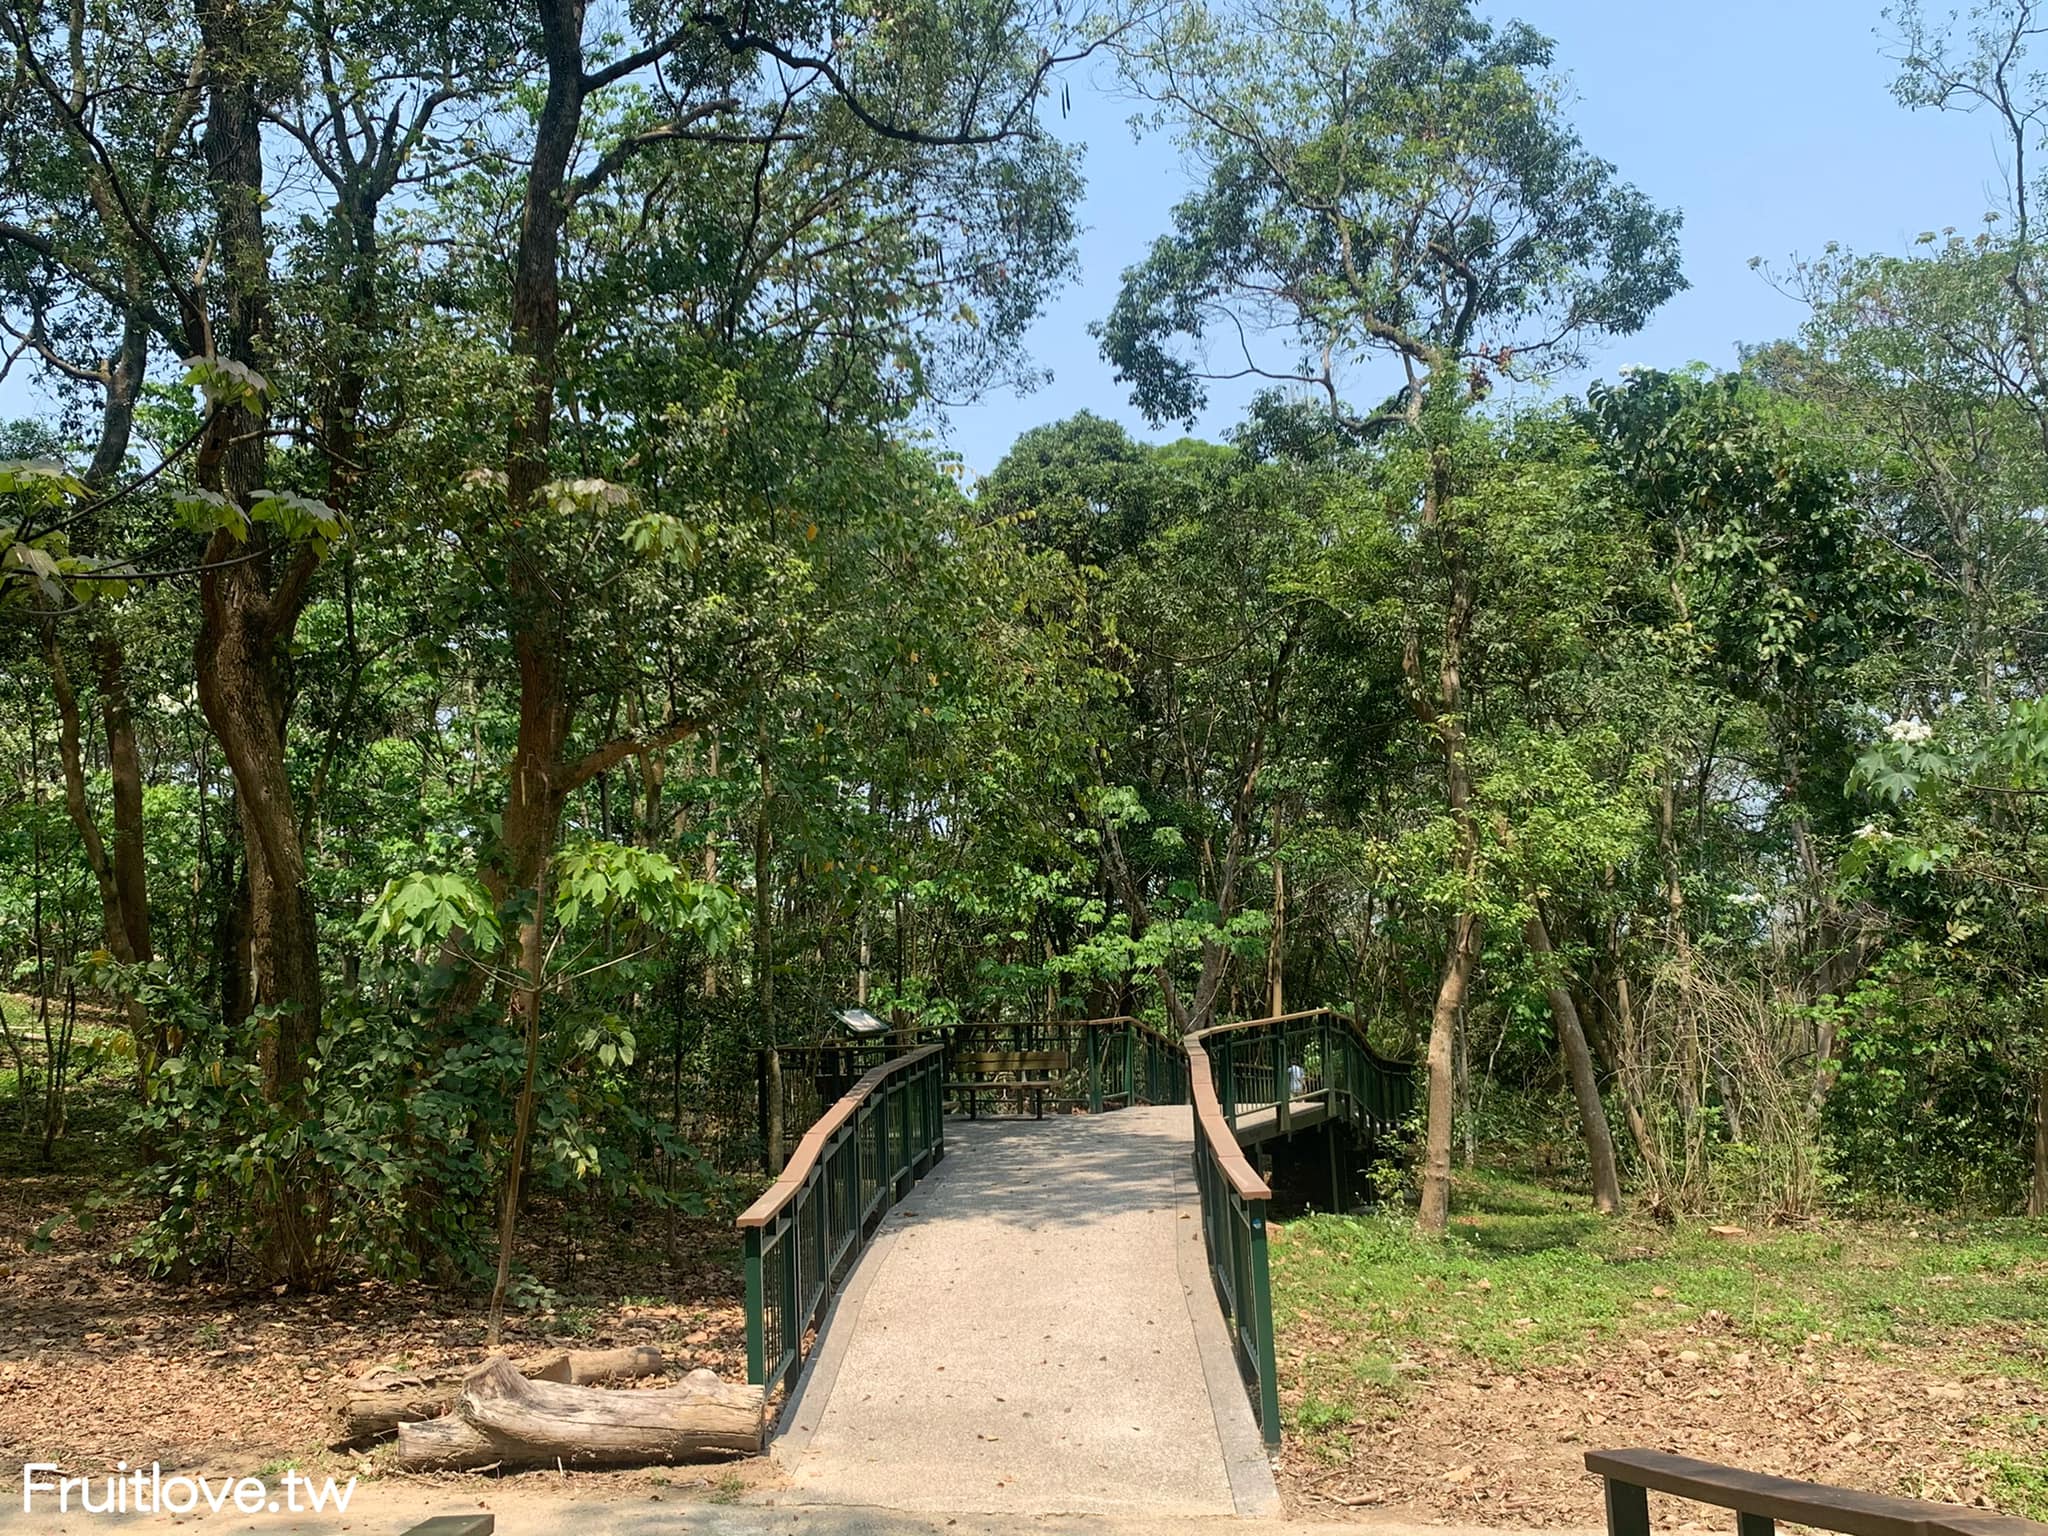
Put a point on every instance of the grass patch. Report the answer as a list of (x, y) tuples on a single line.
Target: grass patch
[(2019, 1484), (1528, 1276)]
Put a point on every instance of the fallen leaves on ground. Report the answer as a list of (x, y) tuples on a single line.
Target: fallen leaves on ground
[(99, 1364), (1461, 1443)]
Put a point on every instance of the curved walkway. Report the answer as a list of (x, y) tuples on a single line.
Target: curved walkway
[(1033, 1331)]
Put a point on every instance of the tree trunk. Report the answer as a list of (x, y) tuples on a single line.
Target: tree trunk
[(543, 776), (1624, 1057), (1435, 1213), (1445, 716), (1578, 1060), (248, 609), (1276, 944), (374, 1404), (764, 957), (2037, 1196), (503, 1419), (124, 760), (532, 952)]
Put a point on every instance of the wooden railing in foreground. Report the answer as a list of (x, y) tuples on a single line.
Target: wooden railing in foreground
[(1234, 1200), (1761, 1500), (804, 1233)]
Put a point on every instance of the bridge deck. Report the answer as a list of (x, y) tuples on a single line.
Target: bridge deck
[(1033, 1331), (1252, 1126)]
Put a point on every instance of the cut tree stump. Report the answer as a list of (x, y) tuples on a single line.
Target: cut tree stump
[(504, 1419), (377, 1402)]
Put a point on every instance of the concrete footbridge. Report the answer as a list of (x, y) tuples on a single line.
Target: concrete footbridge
[(1022, 1269)]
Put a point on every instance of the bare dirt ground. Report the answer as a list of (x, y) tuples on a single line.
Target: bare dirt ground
[(99, 1364), (1468, 1446)]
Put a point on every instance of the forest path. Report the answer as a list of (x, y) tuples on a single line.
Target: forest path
[(1033, 1331)]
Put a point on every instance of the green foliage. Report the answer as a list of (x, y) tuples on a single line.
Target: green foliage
[(1930, 1106), (1389, 178), (721, 686)]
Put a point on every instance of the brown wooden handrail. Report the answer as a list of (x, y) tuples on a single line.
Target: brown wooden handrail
[(1384, 1063), (1214, 1129), (1761, 1499), (1139, 1025), (1233, 1025), (812, 1147)]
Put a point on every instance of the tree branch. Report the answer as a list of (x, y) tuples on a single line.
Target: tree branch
[(617, 750)]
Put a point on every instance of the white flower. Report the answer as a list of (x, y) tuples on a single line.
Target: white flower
[(1912, 730), (1748, 899), (1871, 832)]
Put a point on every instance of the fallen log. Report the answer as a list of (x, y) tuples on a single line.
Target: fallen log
[(502, 1418), (377, 1402), (594, 1367)]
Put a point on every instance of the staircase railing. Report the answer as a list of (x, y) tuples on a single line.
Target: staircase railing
[(803, 1234)]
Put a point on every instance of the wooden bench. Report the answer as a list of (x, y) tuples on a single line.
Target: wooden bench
[(1033, 1073), (1761, 1500)]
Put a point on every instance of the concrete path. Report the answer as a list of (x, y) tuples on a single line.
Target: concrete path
[(1034, 1332), (390, 1509)]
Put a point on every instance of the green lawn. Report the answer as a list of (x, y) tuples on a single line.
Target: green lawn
[(1366, 1311)]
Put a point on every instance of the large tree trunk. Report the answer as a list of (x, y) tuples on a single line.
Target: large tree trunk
[(1444, 714), (375, 1403), (250, 599), (1578, 1060), (503, 1419)]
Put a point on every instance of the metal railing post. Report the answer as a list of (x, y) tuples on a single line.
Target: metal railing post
[(1262, 1329), (1283, 1080), (757, 1321)]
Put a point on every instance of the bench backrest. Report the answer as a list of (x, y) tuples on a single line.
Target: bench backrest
[(981, 1063)]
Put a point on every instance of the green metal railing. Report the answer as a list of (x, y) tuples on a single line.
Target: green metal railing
[(1272, 1073), (1244, 1080), (1234, 1201), (802, 1236), (1109, 1063), (1316, 1061)]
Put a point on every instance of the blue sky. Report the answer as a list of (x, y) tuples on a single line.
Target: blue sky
[(1771, 125)]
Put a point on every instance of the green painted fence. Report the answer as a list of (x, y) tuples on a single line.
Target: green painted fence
[(1244, 1080), (805, 1232)]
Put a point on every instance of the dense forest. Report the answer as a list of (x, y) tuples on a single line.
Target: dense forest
[(490, 648)]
